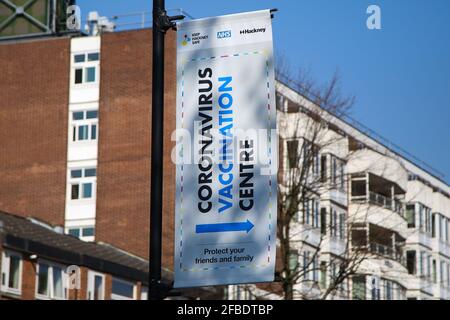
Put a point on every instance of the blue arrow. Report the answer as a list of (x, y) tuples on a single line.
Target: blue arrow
[(224, 227)]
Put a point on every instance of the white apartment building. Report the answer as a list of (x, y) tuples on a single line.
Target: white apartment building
[(370, 204)]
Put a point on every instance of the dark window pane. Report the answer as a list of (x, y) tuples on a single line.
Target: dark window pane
[(78, 76), (14, 272), (92, 114), (83, 132), (88, 232), (292, 147), (74, 136), (122, 289), (78, 115), (98, 288), (76, 173), (75, 191), (43, 279), (87, 190), (93, 56), (80, 58), (94, 132), (90, 74), (74, 232), (359, 288), (58, 282), (90, 172), (411, 215)]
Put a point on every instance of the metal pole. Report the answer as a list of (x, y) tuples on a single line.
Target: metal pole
[(157, 150), (161, 23)]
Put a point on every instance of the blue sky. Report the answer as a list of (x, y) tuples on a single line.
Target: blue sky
[(400, 75)]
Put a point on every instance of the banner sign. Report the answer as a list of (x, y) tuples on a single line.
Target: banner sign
[(227, 153)]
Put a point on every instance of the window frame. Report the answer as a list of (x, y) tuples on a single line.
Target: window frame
[(5, 270), (84, 66), (91, 285), (119, 297), (81, 182), (80, 230), (76, 126), (50, 281)]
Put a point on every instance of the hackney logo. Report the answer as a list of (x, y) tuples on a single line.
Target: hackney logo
[(224, 34), (253, 30)]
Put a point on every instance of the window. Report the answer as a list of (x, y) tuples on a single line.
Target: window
[(448, 275), (323, 221), (83, 233), (144, 293), (411, 215), (306, 266), (421, 218), (122, 290), (428, 220), (96, 286), (323, 274), (11, 272), (86, 68), (442, 269), (359, 288), (315, 269), (90, 74), (292, 149), (51, 280), (342, 226), (411, 261), (422, 263), (316, 214), (311, 214), (323, 165), (434, 274), (389, 290), (93, 56), (293, 260), (84, 125), (446, 233), (82, 183), (337, 173), (333, 222), (433, 225)]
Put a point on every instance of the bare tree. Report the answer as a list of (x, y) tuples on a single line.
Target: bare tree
[(310, 167)]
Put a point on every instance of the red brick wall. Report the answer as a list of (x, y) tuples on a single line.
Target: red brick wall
[(28, 280), (34, 83), (123, 191)]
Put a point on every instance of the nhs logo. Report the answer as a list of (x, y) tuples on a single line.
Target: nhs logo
[(224, 34)]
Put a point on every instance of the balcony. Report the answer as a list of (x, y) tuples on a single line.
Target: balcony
[(374, 190), (378, 241), (387, 252), (388, 203)]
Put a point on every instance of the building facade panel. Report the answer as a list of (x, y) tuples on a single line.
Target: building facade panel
[(123, 198), (33, 117)]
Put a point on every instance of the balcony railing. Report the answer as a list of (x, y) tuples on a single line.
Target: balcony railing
[(387, 252), (383, 201)]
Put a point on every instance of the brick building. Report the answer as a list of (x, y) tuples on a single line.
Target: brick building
[(75, 135)]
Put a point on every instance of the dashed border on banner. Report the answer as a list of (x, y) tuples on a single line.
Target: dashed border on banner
[(269, 120)]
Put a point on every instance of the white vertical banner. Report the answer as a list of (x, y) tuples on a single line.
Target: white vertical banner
[(227, 153)]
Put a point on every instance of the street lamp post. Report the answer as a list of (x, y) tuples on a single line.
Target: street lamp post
[(161, 23)]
